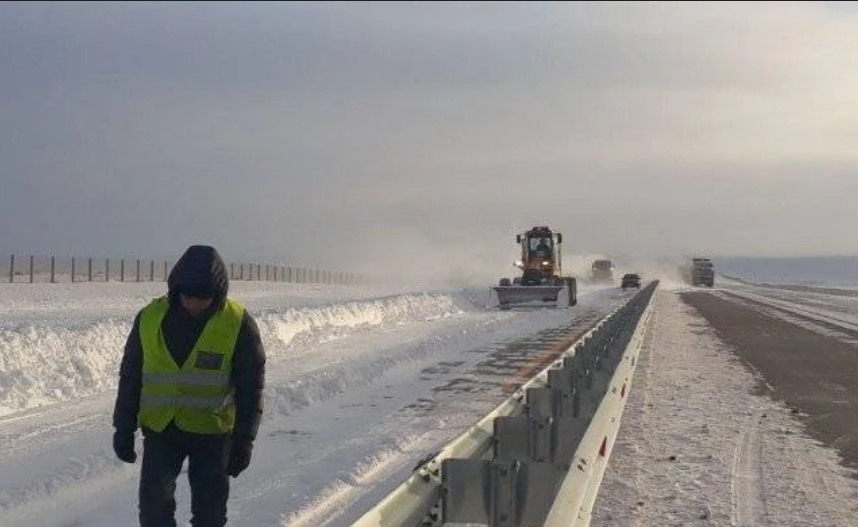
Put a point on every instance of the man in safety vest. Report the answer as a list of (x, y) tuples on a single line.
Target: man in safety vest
[(191, 378)]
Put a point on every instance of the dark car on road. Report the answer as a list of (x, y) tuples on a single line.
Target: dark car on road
[(631, 280)]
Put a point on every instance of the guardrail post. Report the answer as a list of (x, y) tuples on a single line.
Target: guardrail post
[(504, 477), (497, 493)]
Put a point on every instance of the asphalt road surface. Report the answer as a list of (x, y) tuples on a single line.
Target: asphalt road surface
[(814, 374)]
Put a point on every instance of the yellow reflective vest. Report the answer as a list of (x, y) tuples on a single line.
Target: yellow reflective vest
[(198, 395)]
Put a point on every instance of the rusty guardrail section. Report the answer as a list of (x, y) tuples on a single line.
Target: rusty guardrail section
[(539, 457)]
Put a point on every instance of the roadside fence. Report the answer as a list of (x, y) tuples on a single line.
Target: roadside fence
[(50, 269)]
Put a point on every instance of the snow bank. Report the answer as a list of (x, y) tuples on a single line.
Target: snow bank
[(44, 361), (296, 329)]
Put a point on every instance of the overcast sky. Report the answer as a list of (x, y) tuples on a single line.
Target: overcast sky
[(425, 135)]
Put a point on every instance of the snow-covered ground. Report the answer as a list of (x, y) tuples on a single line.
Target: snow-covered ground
[(363, 382), (696, 447)]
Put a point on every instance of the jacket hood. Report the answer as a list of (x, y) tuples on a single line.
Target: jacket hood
[(199, 268)]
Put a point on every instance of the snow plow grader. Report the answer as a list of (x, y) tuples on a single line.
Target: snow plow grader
[(541, 280)]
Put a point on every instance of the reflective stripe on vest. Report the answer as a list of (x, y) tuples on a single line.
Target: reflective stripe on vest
[(185, 378), (198, 396), (187, 401)]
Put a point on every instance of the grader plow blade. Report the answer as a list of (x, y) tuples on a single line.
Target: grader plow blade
[(508, 296)]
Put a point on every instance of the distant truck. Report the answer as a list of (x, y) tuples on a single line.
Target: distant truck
[(602, 271), (701, 272)]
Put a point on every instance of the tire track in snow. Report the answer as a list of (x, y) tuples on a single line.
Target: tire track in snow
[(818, 478), (748, 505)]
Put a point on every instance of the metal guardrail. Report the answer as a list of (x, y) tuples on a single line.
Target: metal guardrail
[(539, 457), (573, 503)]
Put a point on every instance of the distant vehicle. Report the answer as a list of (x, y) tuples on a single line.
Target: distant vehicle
[(602, 271), (701, 272), (631, 280)]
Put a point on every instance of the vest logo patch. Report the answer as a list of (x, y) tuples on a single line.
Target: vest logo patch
[(208, 360)]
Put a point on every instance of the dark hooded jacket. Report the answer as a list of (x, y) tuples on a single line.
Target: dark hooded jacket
[(199, 269)]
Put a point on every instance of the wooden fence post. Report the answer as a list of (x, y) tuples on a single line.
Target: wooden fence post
[(31, 268), (122, 270), (151, 270), (12, 269), (138, 269), (107, 269), (72, 269), (89, 269)]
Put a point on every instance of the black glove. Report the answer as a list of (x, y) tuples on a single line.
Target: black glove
[(123, 445), (239, 456)]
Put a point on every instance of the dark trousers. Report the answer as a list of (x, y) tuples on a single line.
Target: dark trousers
[(163, 456)]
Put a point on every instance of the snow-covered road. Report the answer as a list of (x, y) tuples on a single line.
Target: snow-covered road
[(361, 384), (700, 445)]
